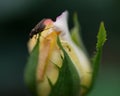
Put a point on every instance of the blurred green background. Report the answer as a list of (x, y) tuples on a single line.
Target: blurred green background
[(18, 17)]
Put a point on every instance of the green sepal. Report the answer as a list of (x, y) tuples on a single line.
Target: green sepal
[(101, 38), (68, 83), (76, 33), (30, 70)]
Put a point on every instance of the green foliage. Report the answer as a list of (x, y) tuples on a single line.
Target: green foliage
[(68, 83), (76, 33), (101, 38), (30, 71)]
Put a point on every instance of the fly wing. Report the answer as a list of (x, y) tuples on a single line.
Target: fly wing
[(40, 26)]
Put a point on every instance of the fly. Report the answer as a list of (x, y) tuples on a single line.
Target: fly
[(38, 28)]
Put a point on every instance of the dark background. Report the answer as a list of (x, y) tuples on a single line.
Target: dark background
[(17, 18)]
